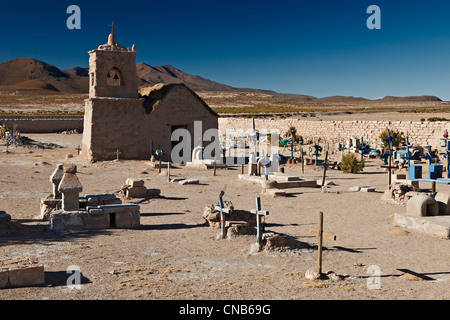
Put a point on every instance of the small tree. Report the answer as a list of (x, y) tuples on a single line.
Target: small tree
[(350, 164), (397, 138)]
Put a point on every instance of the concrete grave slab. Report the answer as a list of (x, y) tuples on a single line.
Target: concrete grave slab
[(438, 226)]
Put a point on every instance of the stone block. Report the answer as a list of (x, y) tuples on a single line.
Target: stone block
[(94, 210), (274, 192), (135, 182), (422, 205), (136, 192), (4, 277), (24, 276), (97, 221), (189, 181), (153, 192), (367, 189), (127, 219), (74, 220), (119, 208)]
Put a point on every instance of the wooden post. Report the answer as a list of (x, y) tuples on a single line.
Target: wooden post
[(319, 258), (168, 170), (324, 169), (302, 159), (390, 170), (433, 187), (222, 210), (215, 166), (160, 164)]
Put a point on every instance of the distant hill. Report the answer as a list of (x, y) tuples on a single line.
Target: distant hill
[(77, 71), (411, 98), (28, 73), (340, 99)]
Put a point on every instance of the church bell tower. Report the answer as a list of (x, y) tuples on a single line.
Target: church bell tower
[(112, 70)]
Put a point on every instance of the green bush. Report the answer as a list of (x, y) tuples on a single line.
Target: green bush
[(350, 164), (398, 138)]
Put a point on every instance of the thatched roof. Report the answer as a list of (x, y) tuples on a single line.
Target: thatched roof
[(153, 95)]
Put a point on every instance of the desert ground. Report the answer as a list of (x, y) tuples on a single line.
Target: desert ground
[(174, 255)]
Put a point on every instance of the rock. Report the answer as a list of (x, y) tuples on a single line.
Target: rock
[(367, 189), (153, 192), (355, 189), (136, 192), (4, 217), (333, 276), (312, 274), (135, 182), (189, 181)]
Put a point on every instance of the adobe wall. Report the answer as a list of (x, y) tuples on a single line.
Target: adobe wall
[(178, 108), (113, 124), (42, 124), (421, 133)]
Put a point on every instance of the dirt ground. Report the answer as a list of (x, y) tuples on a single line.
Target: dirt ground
[(175, 255)]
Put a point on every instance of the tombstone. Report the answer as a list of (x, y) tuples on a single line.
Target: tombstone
[(422, 205), (70, 187), (197, 154), (252, 164), (55, 179), (275, 163), (443, 201)]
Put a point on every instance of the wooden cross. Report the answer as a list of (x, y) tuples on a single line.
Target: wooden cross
[(325, 167), (389, 167), (259, 224), (168, 170), (320, 233), (113, 26), (78, 149), (222, 210), (117, 153)]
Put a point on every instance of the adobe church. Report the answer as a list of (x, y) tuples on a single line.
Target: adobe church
[(120, 120)]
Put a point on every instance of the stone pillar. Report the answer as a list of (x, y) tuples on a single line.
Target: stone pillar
[(70, 187), (55, 179)]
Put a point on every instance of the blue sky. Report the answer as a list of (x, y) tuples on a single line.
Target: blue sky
[(320, 48)]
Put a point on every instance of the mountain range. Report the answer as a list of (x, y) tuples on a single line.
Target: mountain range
[(29, 73)]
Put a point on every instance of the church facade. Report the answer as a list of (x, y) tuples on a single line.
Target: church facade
[(120, 120)]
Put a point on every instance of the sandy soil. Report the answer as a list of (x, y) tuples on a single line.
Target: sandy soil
[(174, 255)]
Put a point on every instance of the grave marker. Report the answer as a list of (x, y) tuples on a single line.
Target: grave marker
[(260, 214), (222, 210), (321, 233)]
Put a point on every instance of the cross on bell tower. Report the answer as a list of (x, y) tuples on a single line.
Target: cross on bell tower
[(113, 26), (112, 38)]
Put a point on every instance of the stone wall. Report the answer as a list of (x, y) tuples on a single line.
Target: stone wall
[(42, 124), (421, 133)]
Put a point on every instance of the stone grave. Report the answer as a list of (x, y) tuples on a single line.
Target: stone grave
[(277, 183), (53, 201), (237, 222), (71, 217), (135, 188), (428, 214)]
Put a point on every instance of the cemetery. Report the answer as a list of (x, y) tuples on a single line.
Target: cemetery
[(263, 213)]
